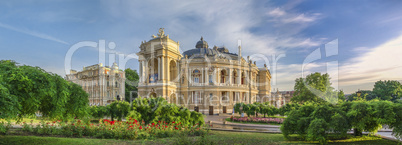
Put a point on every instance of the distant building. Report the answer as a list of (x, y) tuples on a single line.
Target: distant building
[(103, 84), (280, 98)]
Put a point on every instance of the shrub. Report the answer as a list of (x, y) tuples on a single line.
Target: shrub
[(4, 127), (152, 110), (98, 112), (131, 129), (315, 121), (118, 109)]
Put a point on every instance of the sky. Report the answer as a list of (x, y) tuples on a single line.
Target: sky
[(357, 42)]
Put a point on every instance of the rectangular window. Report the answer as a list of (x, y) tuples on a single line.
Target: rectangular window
[(196, 80), (210, 79), (234, 96), (244, 96)]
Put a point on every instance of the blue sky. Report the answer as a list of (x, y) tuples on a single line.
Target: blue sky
[(369, 33)]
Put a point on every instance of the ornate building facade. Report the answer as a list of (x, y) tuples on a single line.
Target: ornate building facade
[(103, 84), (203, 79)]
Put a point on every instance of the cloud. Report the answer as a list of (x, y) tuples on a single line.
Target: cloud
[(277, 12), (220, 22), (302, 18), (381, 63), (33, 33)]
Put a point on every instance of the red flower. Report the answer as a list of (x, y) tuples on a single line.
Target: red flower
[(166, 126), (173, 122), (176, 128), (153, 124), (140, 127), (112, 122)]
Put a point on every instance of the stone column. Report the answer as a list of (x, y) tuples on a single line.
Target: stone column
[(159, 68), (167, 77), (217, 76), (162, 68), (144, 71), (190, 71), (206, 76), (284, 100), (202, 76), (230, 76), (238, 76), (141, 69)]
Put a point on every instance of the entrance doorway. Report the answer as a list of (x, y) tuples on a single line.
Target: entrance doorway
[(211, 110)]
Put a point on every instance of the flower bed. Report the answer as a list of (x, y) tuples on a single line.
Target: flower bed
[(131, 129), (257, 120)]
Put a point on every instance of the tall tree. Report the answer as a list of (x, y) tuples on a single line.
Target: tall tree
[(9, 104), (365, 95), (26, 90), (131, 83), (316, 88), (388, 90)]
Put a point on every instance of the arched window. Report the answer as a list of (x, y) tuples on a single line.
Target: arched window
[(223, 76), (173, 70), (234, 77), (196, 76)]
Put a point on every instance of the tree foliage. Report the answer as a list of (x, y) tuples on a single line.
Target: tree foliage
[(316, 87), (98, 112), (131, 83), (314, 121), (27, 90), (118, 109), (388, 90), (152, 110)]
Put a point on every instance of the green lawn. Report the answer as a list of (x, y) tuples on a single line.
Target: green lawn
[(216, 137)]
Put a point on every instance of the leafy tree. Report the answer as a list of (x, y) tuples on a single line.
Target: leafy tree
[(32, 89), (388, 90), (152, 110), (284, 110), (77, 105), (118, 109), (314, 121), (237, 107), (9, 104), (316, 88), (131, 83), (317, 130), (341, 95), (397, 125), (98, 112), (365, 95)]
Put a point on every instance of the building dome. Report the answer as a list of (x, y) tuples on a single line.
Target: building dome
[(201, 44)]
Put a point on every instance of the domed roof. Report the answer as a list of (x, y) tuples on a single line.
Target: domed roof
[(200, 52), (201, 49), (202, 43)]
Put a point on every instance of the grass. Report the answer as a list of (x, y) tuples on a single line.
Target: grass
[(229, 120), (216, 137)]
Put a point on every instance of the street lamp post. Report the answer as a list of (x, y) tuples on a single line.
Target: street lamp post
[(241, 111), (358, 93)]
